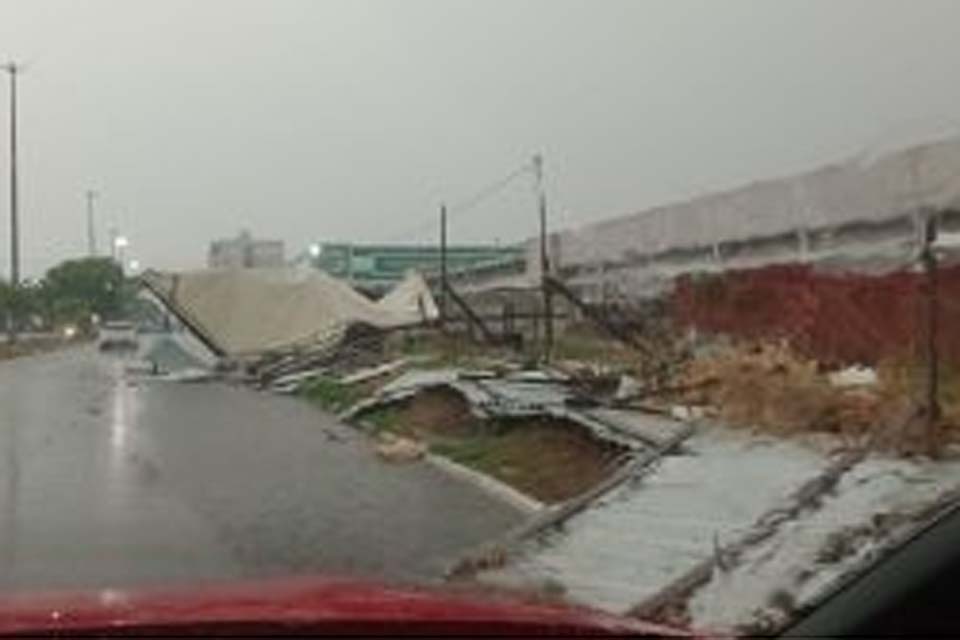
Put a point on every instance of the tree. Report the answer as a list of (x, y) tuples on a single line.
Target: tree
[(69, 294), (23, 302), (74, 289), (6, 295)]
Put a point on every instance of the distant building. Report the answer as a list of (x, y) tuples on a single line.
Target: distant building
[(375, 267), (244, 251)]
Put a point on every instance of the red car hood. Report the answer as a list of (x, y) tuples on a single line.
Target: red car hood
[(301, 606)]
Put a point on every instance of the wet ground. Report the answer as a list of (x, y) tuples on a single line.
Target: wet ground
[(109, 480)]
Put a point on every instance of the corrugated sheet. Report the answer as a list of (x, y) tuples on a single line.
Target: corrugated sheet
[(640, 537), (720, 490)]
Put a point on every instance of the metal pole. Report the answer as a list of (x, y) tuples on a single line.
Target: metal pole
[(113, 242), (12, 68), (544, 262), (91, 229), (443, 265)]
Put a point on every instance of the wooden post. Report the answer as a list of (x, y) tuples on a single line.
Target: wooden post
[(443, 265), (932, 396), (544, 263)]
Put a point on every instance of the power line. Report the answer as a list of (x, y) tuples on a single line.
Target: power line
[(493, 188), (469, 203)]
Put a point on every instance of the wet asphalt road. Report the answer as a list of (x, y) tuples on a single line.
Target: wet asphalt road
[(110, 481)]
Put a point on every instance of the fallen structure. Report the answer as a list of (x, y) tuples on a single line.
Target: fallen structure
[(527, 394), (259, 316), (733, 531)]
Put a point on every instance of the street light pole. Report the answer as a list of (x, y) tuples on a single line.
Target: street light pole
[(13, 69), (120, 244), (91, 230)]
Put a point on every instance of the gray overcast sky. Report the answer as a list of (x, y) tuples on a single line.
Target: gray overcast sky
[(327, 120)]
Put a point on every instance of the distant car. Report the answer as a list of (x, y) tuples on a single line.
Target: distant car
[(117, 336)]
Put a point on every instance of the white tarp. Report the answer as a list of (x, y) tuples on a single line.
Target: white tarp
[(250, 311)]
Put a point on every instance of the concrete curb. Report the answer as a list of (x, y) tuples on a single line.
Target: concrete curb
[(488, 484)]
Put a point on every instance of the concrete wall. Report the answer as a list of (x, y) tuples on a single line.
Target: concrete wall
[(862, 210), (855, 191)]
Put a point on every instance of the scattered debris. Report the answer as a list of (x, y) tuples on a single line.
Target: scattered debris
[(688, 414), (380, 371), (398, 449), (293, 382), (190, 375), (627, 389), (536, 375), (855, 376)]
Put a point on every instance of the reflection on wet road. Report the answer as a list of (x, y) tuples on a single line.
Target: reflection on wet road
[(106, 480)]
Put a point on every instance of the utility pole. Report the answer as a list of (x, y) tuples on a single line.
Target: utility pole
[(443, 265), (91, 229), (544, 261), (928, 258), (13, 69), (113, 242)]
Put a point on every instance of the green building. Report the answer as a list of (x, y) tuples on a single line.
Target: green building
[(376, 267)]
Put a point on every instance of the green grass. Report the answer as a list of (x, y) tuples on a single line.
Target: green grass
[(330, 393), (383, 419), (472, 453), (482, 450)]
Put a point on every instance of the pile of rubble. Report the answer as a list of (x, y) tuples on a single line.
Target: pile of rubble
[(769, 388)]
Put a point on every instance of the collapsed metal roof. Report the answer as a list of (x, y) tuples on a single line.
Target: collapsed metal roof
[(734, 531), (247, 312)]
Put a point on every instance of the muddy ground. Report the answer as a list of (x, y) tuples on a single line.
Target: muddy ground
[(546, 458)]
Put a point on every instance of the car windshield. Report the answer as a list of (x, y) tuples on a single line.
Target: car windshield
[(645, 308)]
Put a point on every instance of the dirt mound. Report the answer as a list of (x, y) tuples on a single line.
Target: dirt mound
[(769, 387)]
